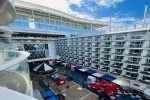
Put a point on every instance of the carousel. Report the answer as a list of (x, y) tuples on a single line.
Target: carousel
[(43, 69)]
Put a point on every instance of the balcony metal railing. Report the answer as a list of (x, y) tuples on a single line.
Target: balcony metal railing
[(135, 46), (118, 45), (140, 25), (132, 62), (131, 69), (106, 45), (116, 66), (146, 64), (115, 73), (136, 37), (119, 53), (129, 77), (119, 38), (107, 39), (134, 54), (103, 63), (145, 72), (144, 81), (104, 69), (117, 59)]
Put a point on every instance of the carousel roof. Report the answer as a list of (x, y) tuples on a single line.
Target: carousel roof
[(43, 68)]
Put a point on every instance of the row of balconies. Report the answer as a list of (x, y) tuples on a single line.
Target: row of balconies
[(109, 38), (144, 75)]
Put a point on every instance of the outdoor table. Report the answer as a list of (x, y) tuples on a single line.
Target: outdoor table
[(130, 93), (52, 98), (117, 95), (119, 92), (137, 96), (47, 94), (125, 93)]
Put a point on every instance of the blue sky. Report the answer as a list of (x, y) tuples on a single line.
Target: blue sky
[(121, 11)]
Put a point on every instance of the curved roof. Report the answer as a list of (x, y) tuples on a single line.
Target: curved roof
[(7, 13), (32, 6)]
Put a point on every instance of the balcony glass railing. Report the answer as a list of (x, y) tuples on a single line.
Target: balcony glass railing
[(19, 24), (119, 38), (137, 37), (15, 71), (135, 46)]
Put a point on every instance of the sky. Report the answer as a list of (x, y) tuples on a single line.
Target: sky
[(121, 11)]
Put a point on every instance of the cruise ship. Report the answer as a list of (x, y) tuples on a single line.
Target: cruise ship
[(31, 33)]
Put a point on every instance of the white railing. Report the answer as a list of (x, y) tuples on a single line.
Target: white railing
[(140, 25)]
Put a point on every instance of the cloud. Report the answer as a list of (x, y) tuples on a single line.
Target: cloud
[(108, 3), (77, 2), (61, 5)]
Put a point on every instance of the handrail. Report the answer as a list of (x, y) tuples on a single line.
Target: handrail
[(22, 56)]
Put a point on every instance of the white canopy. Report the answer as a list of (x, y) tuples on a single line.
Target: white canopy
[(97, 74), (43, 67), (83, 69), (121, 81)]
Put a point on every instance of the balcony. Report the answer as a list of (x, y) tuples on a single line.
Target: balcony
[(96, 40), (103, 63), (107, 39), (145, 72), (105, 52), (119, 38), (94, 56), (131, 69), (95, 61), (87, 50), (144, 81), (135, 46), (148, 55), (105, 58), (49, 26), (119, 60), (132, 62), (119, 46), (87, 60), (104, 69), (95, 67), (106, 46), (146, 64), (134, 54), (115, 73), (116, 66), (118, 53), (137, 37), (87, 55), (129, 77)]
